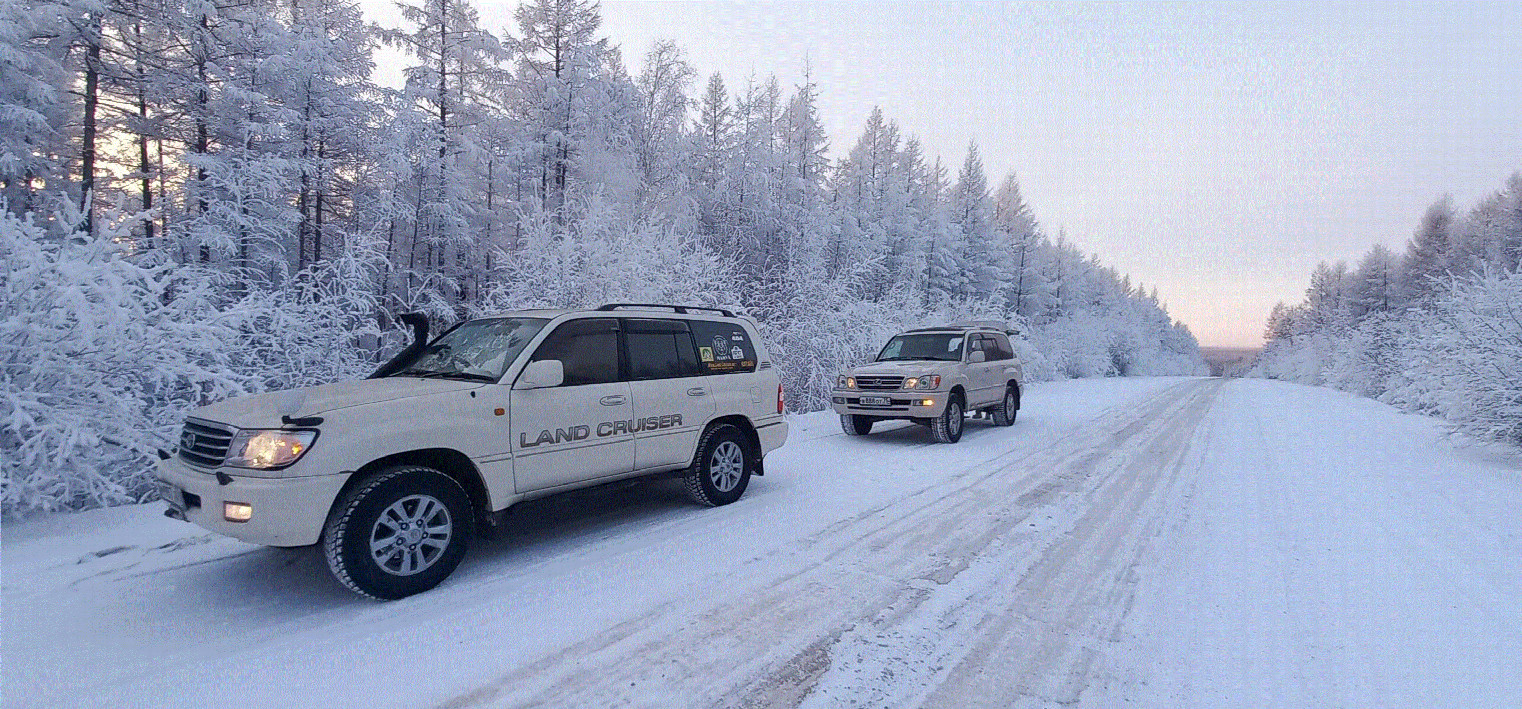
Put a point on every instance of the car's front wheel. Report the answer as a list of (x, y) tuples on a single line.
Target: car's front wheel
[(401, 531), (855, 425), (947, 428)]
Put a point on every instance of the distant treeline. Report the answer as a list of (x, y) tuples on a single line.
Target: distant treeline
[(1436, 329)]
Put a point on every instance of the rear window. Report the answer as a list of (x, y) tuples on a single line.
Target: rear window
[(723, 348), (1002, 348), (660, 349)]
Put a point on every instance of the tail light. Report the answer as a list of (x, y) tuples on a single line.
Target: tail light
[(781, 399)]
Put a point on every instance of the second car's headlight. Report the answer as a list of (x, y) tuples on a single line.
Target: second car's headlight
[(925, 383), (264, 449), (845, 382)]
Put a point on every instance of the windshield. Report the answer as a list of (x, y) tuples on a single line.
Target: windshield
[(479, 350), (941, 347)]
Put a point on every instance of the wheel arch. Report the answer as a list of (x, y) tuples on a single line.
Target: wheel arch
[(752, 439), (448, 461)]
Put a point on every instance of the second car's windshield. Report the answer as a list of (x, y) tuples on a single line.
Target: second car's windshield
[(479, 349), (945, 347)]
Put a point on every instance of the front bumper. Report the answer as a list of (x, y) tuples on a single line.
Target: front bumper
[(903, 404), (287, 512)]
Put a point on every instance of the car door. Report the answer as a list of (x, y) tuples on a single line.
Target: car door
[(570, 434), (1008, 368), (982, 375), (672, 401)]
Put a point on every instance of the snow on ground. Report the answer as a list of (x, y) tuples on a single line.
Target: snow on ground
[(1161, 542)]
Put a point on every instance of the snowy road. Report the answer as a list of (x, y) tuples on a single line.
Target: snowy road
[(1163, 542)]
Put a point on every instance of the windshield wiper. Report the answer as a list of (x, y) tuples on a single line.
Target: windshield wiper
[(429, 374)]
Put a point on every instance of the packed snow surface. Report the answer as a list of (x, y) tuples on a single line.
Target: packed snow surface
[(1149, 542)]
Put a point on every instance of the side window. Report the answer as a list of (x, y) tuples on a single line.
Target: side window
[(979, 343), (1003, 348), (588, 348), (723, 348), (660, 349)]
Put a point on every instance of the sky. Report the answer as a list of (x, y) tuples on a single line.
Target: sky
[(1215, 150)]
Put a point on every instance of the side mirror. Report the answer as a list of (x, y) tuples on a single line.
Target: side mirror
[(978, 357), (542, 374)]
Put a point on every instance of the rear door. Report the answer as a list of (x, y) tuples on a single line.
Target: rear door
[(984, 375), (570, 434), (1009, 367), (672, 401)]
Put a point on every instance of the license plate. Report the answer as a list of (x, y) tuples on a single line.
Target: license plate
[(876, 401)]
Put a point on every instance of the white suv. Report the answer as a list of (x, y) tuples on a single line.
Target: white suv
[(392, 474), (934, 376)]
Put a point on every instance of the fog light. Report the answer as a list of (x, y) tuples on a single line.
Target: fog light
[(927, 402), (237, 511)]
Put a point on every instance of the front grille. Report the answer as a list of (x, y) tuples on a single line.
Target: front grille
[(204, 443), (879, 383)]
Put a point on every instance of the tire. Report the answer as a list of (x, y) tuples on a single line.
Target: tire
[(1006, 411), (947, 428), (722, 469), (855, 425), (388, 507)]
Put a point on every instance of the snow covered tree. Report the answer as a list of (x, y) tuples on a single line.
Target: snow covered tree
[(33, 103), (1427, 253)]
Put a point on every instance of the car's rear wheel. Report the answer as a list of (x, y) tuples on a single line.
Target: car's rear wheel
[(400, 532), (1007, 410), (855, 425), (947, 428), (723, 467)]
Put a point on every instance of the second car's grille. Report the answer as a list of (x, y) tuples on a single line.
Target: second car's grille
[(204, 443), (879, 383)]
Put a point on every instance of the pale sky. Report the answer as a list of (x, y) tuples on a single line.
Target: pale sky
[(1216, 150)]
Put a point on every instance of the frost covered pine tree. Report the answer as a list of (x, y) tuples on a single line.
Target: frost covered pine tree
[(454, 83)]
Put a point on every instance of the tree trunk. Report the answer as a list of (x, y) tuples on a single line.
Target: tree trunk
[(91, 104)]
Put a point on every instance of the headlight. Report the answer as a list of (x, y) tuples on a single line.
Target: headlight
[(845, 382), (264, 449), (925, 383)]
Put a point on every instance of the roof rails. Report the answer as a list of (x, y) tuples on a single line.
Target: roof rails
[(999, 325), (971, 325), (679, 309)]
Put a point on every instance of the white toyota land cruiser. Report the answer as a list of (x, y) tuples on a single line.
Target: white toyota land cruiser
[(934, 376), (392, 474)]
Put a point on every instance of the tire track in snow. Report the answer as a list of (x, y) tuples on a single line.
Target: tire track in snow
[(1017, 567)]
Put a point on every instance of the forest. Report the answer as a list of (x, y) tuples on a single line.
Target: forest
[(206, 198), (1435, 329)]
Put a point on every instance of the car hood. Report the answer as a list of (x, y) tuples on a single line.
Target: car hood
[(906, 368), (265, 410)]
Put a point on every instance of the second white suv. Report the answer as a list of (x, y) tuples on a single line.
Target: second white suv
[(393, 474), (934, 376)]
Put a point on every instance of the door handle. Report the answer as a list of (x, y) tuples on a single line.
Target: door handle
[(614, 400), (697, 391)]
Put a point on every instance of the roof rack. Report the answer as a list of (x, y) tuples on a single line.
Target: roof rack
[(973, 325), (983, 324), (679, 309)]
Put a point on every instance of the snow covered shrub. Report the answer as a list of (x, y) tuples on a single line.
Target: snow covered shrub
[(99, 357), (321, 327), (1476, 372)]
